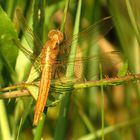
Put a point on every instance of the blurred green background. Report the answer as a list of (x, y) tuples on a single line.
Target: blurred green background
[(85, 115)]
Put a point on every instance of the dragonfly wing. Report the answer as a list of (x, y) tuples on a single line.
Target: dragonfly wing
[(34, 59), (110, 59), (99, 28), (94, 34), (31, 38)]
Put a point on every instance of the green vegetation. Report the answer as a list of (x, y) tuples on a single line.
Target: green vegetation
[(99, 97)]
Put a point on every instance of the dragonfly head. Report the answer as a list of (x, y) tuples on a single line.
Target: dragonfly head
[(56, 35)]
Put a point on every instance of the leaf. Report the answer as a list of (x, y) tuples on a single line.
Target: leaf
[(8, 51), (123, 70)]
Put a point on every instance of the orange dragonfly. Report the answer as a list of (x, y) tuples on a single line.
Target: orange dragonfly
[(48, 57)]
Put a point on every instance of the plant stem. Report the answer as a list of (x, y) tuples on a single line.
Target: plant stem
[(61, 87)]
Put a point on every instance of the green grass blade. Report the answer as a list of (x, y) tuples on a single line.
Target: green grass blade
[(84, 117), (65, 16), (7, 33), (64, 108), (38, 22), (133, 20), (102, 102), (39, 129), (62, 118), (4, 126), (110, 129)]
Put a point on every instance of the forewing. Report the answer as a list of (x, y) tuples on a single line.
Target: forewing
[(34, 59), (28, 33), (99, 28)]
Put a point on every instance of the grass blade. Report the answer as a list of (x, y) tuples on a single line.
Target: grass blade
[(64, 108), (5, 130)]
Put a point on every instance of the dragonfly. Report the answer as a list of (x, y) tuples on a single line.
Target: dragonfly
[(47, 60)]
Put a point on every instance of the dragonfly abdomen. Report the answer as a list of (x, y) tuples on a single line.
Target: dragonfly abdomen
[(43, 93)]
